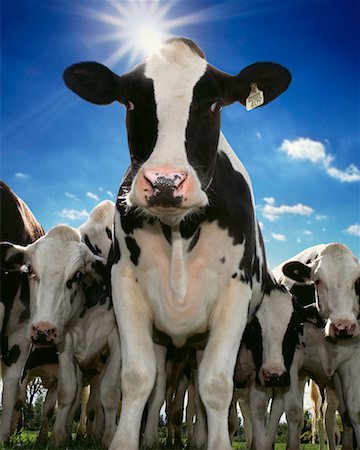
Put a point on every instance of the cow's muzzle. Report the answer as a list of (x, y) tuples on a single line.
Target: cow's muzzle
[(44, 334), (164, 189), (275, 378), (343, 329)]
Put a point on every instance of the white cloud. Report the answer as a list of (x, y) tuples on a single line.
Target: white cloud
[(259, 135), (74, 214), (110, 194), (92, 196), (72, 196), (353, 229), (21, 175), (350, 175), (269, 200), (278, 237), (273, 213), (308, 233), (315, 151)]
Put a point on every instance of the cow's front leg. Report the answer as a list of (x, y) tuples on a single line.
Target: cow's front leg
[(11, 379), (110, 388), (216, 369), (156, 400), (67, 389), (139, 362)]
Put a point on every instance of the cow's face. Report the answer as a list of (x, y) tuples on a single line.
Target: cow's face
[(173, 105), (58, 266), (335, 273)]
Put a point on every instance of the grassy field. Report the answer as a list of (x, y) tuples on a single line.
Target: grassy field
[(27, 441)]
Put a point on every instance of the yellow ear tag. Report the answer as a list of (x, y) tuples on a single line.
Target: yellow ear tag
[(256, 97)]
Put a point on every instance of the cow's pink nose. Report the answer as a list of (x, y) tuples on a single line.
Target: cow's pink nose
[(164, 187), (343, 328), (44, 333), (168, 178)]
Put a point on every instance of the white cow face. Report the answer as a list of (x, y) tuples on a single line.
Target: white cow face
[(335, 273), (58, 266)]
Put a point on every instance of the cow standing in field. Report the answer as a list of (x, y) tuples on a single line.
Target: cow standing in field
[(188, 252), (18, 225)]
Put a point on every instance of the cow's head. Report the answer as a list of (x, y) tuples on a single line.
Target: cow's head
[(274, 317), (335, 273), (59, 267), (173, 103)]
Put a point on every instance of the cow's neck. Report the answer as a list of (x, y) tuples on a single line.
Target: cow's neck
[(178, 271)]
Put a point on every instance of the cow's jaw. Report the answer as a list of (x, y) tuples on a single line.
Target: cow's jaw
[(167, 186)]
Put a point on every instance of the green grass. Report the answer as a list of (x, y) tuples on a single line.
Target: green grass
[(26, 440)]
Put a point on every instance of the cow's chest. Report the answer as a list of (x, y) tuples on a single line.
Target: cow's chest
[(183, 279)]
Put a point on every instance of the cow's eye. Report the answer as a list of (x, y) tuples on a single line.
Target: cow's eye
[(357, 286), (216, 107), (78, 275), (317, 282), (27, 268), (129, 105)]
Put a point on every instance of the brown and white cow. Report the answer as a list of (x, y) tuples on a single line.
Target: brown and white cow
[(188, 252), (18, 225)]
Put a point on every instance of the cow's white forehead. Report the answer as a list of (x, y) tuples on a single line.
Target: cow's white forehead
[(58, 252), (175, 69), (336, 261)]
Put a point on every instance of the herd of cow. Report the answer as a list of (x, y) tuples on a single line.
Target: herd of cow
[(176, 272)]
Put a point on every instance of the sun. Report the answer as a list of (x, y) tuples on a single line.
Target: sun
[(138, 25)]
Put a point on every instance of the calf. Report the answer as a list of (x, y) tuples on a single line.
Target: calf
[(185, 191), (18, 225)]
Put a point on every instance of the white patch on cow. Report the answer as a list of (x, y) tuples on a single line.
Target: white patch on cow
[(175, 69)]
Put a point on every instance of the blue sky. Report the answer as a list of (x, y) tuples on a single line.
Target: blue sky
[(63, 155)]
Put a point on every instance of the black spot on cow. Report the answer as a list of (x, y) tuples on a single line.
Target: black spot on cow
[(9, 356), (222, 260), (109, 233), (133, 248), (114, 253), (95, 249), (166, 232), (234, 275)]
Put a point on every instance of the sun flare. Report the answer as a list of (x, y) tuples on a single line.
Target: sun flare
[(138, 25)]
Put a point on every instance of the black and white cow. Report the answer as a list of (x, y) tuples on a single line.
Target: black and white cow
[(71, 308), (189, 256), (18, 225), (335, 273), (326, 276)]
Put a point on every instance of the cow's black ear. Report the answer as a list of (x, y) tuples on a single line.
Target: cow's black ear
[(297, 271), (93, 82), (258, 84), (11, 256)]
